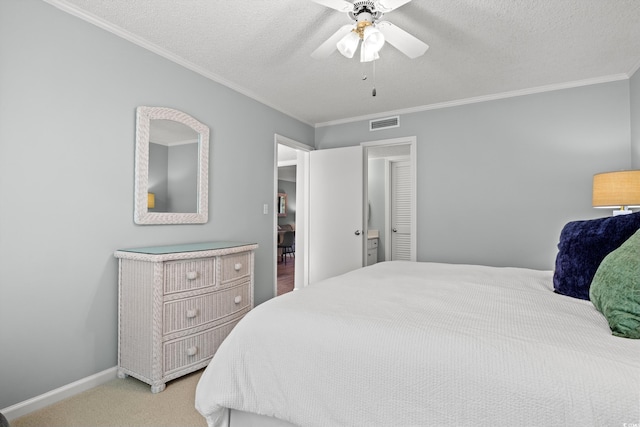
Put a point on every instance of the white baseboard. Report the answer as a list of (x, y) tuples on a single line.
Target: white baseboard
[(53, 396)]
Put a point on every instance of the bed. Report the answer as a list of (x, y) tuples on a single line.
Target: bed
[(424, 344)]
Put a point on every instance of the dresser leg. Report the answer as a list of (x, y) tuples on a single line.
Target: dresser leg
[(121, 374), (157, 388)]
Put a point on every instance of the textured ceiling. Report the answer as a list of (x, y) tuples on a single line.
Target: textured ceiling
[(479, 49)]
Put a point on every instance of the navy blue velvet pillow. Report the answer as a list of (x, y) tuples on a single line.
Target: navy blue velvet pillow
[(582, 247)]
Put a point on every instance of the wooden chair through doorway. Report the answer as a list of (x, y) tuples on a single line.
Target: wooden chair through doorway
[(287, 245)]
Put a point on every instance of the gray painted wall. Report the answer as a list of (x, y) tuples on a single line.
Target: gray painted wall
[(634, 84), (68, 94), (497, 180)]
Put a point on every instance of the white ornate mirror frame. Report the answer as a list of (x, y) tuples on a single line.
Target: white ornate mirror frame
[(144, 115)]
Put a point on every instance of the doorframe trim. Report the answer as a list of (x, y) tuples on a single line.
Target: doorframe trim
[(412, 142), (302, 221)]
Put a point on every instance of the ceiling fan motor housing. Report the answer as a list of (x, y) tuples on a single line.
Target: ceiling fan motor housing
[(366, 7)]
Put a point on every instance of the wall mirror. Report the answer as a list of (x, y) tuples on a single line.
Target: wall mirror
[(172, 167), (282, 204)]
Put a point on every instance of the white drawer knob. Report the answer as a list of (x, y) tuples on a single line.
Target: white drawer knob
[(237, 266), (191, 275), (192, 351), (192, 313), (238, 299)]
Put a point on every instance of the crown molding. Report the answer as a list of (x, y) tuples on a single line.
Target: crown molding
[(633, 69), (122, 33), (484, 98)]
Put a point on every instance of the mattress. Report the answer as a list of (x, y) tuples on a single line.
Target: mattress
[(426, 344)]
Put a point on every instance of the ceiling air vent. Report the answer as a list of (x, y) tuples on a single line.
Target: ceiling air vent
[(386, 123)]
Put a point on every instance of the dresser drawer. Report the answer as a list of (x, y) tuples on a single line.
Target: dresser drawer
[(234, 267), (195, 311), (189, 275), (372, 243), (181, 353)]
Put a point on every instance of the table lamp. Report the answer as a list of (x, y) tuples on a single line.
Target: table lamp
[(617, 190)]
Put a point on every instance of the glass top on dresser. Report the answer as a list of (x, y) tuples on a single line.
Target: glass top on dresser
[(187, 247)]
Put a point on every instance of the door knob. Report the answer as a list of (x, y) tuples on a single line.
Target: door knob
[(395, 230), (357, 232)]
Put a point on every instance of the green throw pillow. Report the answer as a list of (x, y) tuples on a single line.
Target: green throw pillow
[(615, 289)]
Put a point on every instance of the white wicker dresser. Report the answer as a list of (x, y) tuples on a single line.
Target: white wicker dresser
[(177, 304)]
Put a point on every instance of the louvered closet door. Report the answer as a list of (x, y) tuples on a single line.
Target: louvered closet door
[(401, 211)]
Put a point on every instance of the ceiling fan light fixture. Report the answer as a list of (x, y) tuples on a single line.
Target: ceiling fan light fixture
[(372, 42), (367, 17), (368, 55), (373, 38), (349, 44)]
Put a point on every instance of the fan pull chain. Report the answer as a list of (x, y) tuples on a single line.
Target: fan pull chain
[(373, 92)]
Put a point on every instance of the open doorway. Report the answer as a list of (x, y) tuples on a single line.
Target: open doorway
[(290, 195), (286, 218), (390, 209)]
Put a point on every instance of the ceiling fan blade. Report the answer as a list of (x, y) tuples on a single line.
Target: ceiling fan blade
[(339, 5), (401, 40), (327, 48), (385, 6)]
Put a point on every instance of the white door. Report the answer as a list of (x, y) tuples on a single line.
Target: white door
[(401, 210), (335, 212)]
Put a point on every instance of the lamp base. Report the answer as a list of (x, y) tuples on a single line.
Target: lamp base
[(622, 212)]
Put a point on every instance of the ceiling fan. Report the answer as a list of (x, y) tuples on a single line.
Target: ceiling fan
[(368, 29)]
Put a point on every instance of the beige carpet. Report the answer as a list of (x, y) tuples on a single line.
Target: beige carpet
[(123, 403)]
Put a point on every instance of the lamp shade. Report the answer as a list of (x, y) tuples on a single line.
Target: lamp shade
[(349, 44), (151, 200), (616, 189)]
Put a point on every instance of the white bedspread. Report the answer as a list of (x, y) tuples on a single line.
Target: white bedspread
[(425, 344)]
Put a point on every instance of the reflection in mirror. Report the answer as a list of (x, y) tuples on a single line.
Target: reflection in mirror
[(173, 165), (172, 157)]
